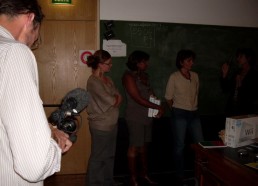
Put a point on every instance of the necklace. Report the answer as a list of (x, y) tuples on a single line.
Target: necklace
[(186, 75)]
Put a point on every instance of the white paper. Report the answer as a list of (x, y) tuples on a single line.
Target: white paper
[(116, 48), (153, 112)]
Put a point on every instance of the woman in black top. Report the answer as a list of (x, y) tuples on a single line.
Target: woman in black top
[(242, 85)]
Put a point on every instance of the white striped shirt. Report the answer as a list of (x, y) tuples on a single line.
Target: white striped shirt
[(28, 154)]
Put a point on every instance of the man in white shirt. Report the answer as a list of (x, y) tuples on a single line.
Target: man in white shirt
[(28, 153)]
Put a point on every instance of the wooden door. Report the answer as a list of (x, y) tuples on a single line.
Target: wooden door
[(65, 31)]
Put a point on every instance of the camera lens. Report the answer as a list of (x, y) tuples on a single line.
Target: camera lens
[(68, 125)]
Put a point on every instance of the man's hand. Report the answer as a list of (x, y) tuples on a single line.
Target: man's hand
[(62, 139)]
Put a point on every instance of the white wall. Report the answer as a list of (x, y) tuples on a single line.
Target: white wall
[(242, 13)]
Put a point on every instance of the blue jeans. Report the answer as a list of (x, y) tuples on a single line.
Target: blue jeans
[(183, 122)]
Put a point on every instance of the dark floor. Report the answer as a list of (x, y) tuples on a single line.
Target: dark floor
[(162, 179)]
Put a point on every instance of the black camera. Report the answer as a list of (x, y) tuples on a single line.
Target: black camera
[(66, 117), (66, 120)]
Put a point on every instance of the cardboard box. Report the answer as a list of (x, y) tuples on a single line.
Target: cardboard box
[(240, 130)]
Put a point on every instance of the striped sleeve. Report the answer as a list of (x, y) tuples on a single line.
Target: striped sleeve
[(35, 154)]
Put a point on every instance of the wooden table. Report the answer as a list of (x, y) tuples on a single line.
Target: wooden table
[(224, 166)]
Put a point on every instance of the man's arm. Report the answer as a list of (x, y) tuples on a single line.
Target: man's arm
[(35, 154)]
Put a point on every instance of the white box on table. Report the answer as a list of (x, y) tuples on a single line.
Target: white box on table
[(240, 130)]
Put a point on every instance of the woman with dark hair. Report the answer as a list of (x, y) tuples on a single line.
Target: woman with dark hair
[(138, 92), (103, 112), (241, 84), (182, 97)]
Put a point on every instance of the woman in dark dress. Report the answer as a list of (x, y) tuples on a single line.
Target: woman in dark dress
[(138, 92)]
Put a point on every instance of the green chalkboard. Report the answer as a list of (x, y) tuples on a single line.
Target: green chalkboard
[(213, 46)]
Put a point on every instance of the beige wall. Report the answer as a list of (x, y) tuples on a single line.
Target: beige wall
[(241, 13), (65, 31)]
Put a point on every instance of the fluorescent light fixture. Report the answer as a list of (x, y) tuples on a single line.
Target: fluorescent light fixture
[(69, 2)]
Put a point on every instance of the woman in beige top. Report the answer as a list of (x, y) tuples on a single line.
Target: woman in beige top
[(182, 97)]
